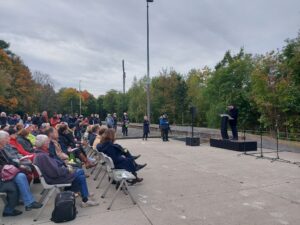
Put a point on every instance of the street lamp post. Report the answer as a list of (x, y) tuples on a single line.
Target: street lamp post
[(79, 97), (148, 63)]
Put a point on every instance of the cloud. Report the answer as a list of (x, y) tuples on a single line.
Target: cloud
[(87, 40)]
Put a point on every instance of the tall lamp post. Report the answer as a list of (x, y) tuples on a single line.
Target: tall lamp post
[(79, 97), (148, 63)]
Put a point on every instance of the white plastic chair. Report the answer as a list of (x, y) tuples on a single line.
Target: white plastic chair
[(121, 176), (103, 165), (49, 189)]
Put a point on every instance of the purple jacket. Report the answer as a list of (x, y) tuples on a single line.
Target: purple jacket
[(52, 169)]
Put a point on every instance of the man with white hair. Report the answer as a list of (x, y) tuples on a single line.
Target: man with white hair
[(56, 172), (20, 179), (3, 120)]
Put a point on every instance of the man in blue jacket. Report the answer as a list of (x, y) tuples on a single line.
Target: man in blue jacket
[(165, 127)]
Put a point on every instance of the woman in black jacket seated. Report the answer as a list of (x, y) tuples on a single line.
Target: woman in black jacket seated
[(121, 158)]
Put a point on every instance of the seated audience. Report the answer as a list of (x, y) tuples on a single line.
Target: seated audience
[(121, 158), (13, 142), (3, 119), (54, 120), (68, 144), (12, 198), (93, 135), (97, 140), (23, 140), (20, 179), (54, 147), (56, 172)]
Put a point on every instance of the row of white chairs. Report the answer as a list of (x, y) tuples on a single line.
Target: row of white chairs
[(120, 176), (105, 163)]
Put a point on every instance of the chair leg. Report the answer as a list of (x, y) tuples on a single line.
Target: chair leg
[(4, 199), (93, 170), (132, 199), (115, 195), (49, 194), (44, 194), (102, 178), (98, 172), (107, 188)]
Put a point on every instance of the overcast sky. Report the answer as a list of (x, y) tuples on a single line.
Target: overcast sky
[(86, 40)]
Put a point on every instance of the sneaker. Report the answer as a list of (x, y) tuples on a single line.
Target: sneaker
[(34, 205), (13, 213), (89, 203)]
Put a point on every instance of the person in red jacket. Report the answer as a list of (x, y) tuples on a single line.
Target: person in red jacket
[(13, 142), (54, 120)]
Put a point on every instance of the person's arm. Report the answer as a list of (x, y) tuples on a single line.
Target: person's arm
[(50, 168)]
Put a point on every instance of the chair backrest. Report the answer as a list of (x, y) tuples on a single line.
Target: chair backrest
[(101, 156), (43, 181), (109, 163)]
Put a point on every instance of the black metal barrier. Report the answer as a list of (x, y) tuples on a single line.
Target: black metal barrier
[(273, 145)]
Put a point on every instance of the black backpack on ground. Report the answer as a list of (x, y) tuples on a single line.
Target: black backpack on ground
[(65, 208)]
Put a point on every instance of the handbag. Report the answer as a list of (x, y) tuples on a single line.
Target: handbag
[(9, 172)]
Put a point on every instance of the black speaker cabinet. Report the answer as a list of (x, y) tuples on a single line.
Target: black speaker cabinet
[(192, 141)]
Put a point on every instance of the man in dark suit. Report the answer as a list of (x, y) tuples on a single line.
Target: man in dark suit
[(234, 113)]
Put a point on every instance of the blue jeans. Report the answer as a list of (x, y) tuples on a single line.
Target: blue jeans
[(79, 184), (24, 189)]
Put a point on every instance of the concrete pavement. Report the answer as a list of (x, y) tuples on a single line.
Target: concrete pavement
[(195, 185)]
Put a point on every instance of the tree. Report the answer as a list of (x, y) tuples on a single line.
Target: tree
[(68, 100), (230, 83), (196, 83), (44, 94)]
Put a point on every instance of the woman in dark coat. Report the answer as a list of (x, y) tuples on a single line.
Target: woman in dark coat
[(114, 151)]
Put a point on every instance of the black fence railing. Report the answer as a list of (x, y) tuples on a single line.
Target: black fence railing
[(274, 145)]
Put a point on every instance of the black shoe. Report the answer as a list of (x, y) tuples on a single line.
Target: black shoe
[(13, 213), (136, 157), (34, 205), (139, 167), (136, 180)]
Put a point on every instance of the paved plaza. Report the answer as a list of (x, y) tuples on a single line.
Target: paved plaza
[(194, 186)]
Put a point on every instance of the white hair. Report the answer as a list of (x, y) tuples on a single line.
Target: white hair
[(3, 114), (3, 135), (40, 140)]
